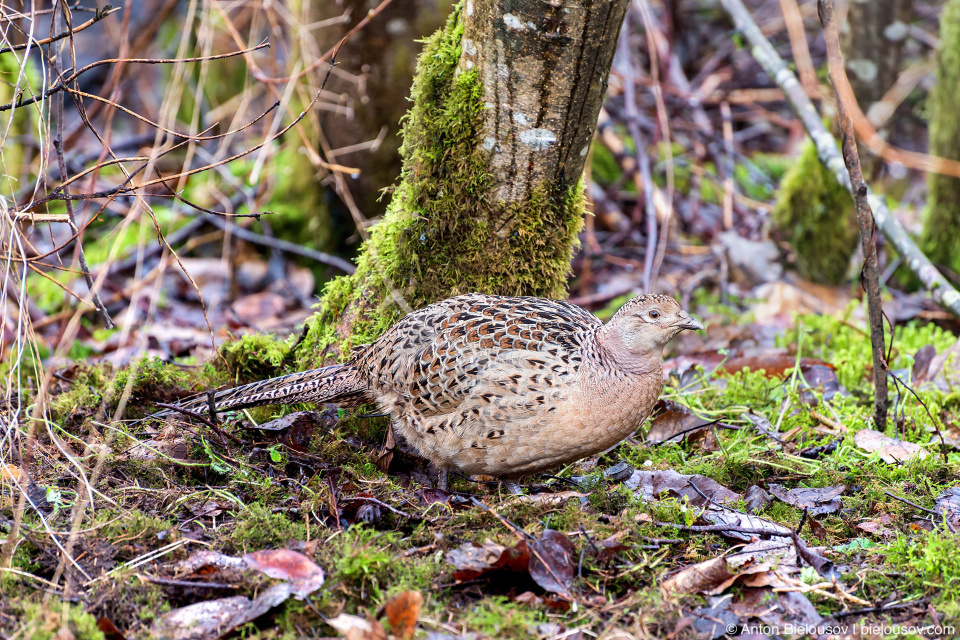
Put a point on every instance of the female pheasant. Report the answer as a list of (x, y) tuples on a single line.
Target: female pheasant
[(497, 385)]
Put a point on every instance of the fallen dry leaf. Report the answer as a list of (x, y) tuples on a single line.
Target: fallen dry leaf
[(610, 547), (10, 473), (818, 530), (775, 609), (700, 577), (110, 631), (878, 526), (357, 628), (817, 502), (553, 562), (673, 422), (472, 560), (756, 499), (891, 450), (948, 506), (761, 563), (715, 621), (283, 564), (738, 520), (216, 618), (550, 560), (403, 611), (651, 485)]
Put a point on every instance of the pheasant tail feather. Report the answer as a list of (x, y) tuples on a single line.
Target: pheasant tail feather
[(338, 383)]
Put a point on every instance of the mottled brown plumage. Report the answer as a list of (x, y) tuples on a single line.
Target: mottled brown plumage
[(497, 385)]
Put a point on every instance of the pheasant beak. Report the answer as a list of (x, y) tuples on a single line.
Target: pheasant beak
[(689, 322)]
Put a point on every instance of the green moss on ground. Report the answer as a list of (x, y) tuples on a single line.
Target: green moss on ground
[(255, 357), (42, 621), (815, 214), (363, 566), (257, 527), (931, 562)]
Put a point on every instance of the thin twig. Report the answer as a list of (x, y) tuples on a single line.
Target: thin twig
[(640, 152), (912, 504), (98, 16), (870, 273), (81, 257), (205, 420)]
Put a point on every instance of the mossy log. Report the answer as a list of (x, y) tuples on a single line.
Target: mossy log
[(490, 199)]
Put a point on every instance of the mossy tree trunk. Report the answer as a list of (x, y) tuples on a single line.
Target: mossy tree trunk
[(941, 240), (505, 103)]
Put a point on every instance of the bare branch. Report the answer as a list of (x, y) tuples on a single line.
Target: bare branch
[(869, 275)]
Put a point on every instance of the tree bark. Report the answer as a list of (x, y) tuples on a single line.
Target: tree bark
[(544, 67), (943, 215), (505, 103), (874, 45)]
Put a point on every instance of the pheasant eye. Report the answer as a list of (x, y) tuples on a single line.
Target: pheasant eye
[(654, 314)]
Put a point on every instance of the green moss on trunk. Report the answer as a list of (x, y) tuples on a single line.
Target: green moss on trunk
[(445, 232), (942, 219), (815, 214)]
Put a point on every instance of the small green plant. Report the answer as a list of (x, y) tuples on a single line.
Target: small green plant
[(931, 560)]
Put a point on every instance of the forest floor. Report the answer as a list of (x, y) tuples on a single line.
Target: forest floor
[(672, 533)]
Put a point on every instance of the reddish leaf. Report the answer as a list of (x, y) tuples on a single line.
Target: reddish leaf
[(110, 631), (402, 611), (472, 560), (878, 526), (283, 564), (673, 423), (609, 547), (553, 561), (818, 530), (429, 495)]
